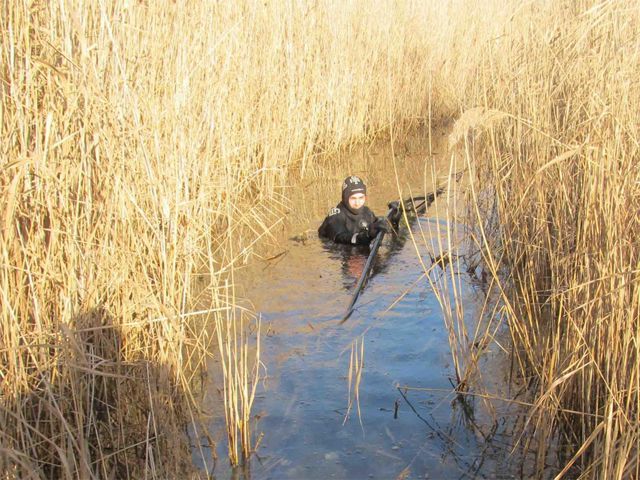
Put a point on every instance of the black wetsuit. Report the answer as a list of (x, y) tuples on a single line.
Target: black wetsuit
[(344, 226)]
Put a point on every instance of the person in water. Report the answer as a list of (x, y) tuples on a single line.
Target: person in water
[(351, 222)]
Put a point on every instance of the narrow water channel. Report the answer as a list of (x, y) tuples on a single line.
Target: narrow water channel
[(415, 433)]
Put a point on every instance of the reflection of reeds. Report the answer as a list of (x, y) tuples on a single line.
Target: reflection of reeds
[(356, 366), (240, 370)]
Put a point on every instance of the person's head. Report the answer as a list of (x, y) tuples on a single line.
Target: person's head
[(354, 193)]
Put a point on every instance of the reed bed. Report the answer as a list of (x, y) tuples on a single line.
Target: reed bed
[(553, 150), (144, 151)]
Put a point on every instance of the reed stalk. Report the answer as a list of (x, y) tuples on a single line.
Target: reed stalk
[(143, 151), (553, 152), (354, 378), (240, 369)]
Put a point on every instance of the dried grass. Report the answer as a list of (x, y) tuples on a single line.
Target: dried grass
[(556, 196), (143, 150)]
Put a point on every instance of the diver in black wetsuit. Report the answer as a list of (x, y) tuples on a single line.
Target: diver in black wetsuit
[(351, 222)]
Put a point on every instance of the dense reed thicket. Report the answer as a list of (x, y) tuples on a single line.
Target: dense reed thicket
[(559, 157), (142, 144), (142, 149)]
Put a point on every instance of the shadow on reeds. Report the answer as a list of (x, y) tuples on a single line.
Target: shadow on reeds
[(88, 413)]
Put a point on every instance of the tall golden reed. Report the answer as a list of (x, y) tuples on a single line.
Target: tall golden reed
[(240, 374), (559, 158), (141, 147)]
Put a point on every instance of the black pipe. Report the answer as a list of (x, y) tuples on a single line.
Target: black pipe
[(365, 271), (426, 200)]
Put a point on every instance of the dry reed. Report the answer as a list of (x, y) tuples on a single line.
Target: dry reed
[(354, 377), (555, 159), (143, 145), (240, 369), (143, 148)]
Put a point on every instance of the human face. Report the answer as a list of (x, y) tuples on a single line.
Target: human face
[(356, 201)]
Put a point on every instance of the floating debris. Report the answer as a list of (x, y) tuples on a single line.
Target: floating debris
[(301, 237)]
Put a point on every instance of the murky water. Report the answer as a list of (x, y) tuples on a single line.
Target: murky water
[(403, 433)]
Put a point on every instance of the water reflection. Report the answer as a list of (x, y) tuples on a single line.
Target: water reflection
[(353, 266), (426, 430), (352, 258)]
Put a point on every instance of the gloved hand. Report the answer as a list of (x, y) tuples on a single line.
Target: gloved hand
[(380, 225), (396, 213), (363, 237)]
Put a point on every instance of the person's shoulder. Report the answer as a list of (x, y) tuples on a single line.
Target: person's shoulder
[(333, 222), (335, 211)]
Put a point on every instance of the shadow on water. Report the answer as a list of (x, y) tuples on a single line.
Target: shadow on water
[(414, 424)]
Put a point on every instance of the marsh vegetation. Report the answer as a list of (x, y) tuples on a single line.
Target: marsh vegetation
[(146, 152)]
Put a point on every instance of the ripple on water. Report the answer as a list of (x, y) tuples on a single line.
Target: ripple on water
[(305, 397)]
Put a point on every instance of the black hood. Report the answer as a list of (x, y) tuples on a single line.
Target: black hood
[(361, 215), (350, 186)]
